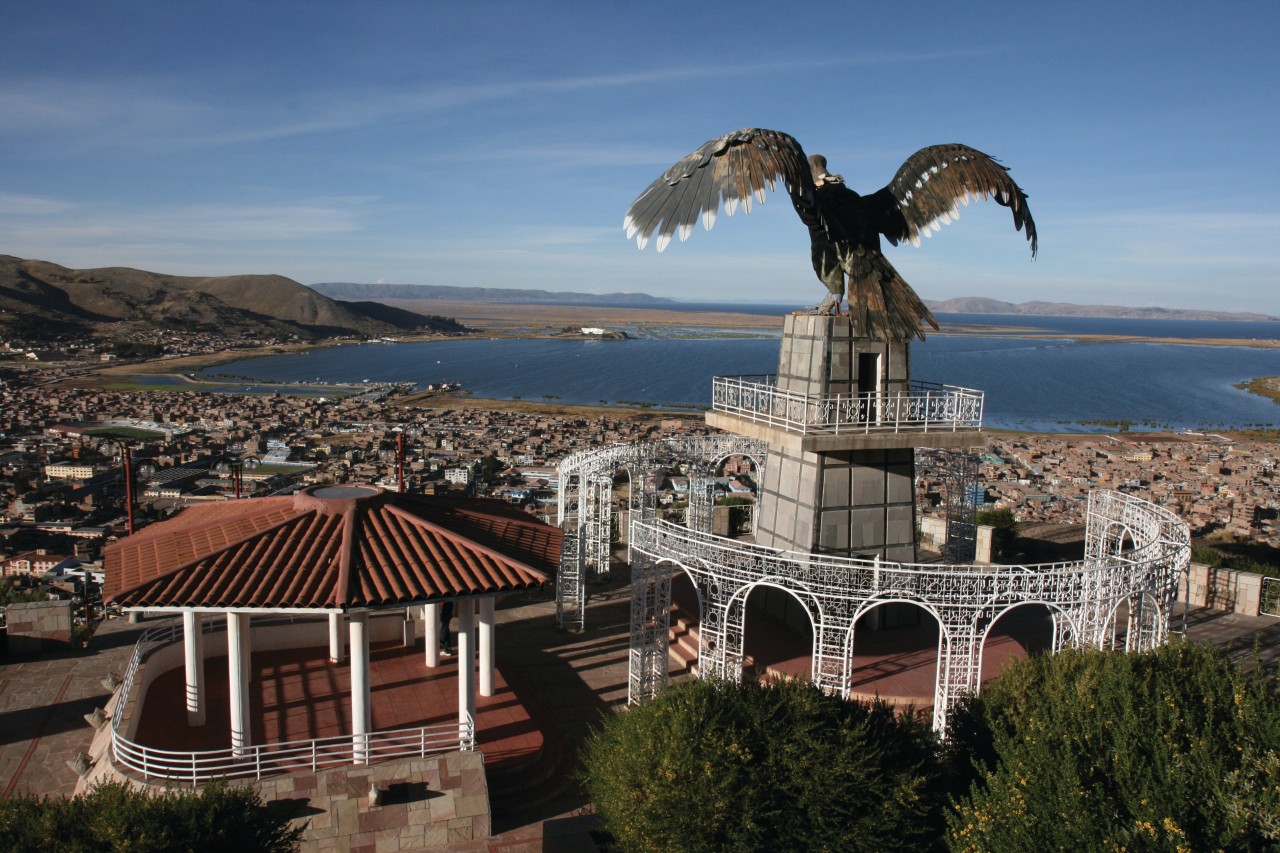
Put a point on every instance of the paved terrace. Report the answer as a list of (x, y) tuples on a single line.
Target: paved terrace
[(566, 682)]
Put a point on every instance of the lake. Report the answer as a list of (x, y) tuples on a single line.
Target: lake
[(1043, 384)]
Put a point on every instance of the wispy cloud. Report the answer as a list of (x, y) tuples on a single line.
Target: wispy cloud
[(159, 111), (29, 205), (192, 224)]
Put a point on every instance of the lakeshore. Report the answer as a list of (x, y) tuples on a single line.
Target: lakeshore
[(1173, 371), (497, 320)]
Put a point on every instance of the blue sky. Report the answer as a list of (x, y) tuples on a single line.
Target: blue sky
[(499, 145)]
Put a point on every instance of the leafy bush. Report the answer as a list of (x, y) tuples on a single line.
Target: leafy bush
[(1004, 533), (11, 593), (114, 816), (1174, 749), (716, 766)]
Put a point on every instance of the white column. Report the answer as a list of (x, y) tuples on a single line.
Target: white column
[(361, 712), (486, 645), (337, 643), (466, 660), (193, 648), (431, 633), (238, 676)]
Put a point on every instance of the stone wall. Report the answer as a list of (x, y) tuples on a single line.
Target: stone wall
[(1222, 589), (933, 535), (38, 625)]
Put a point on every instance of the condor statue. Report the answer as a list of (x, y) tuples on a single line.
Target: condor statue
[(845, 227)]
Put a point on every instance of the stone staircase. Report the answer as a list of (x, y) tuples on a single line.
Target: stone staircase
[(683, 649)]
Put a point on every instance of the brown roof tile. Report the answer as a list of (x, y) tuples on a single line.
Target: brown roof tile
[(331, 547)]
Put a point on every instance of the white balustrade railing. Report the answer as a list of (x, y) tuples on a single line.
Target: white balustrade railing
[(927, 407), (258, 760)]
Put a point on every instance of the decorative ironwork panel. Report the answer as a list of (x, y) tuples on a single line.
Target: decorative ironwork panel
[(702, 498), (957, 471), (570, 590), (1270, 604), (926, 407), (965, 598), (648, 668)]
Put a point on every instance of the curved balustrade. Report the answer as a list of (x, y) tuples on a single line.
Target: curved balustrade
[(927, 407), (976, 587), (258, 760), (289, 756), (1135, 555)]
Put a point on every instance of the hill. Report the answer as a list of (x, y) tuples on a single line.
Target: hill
[(982, 305), (505, 295), (42, 301)]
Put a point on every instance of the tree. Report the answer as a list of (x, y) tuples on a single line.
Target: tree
[(711, 765), (491, 468), (11, 593), (117, 816), (1004, 532), (1174, 749)]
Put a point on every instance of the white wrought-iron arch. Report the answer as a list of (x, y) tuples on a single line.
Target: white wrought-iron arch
[(1156, 616), (963, 599), (811, 603), (946, 638), (1006, 607), (890, 595), (584, 509), (1056, 612)]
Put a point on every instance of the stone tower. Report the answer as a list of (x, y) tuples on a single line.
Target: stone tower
[(842, 419)]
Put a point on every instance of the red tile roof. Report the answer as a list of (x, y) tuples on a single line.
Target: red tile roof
[(331, 547)]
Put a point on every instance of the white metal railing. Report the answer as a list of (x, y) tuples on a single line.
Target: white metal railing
[(927, 407), (261, 760), (1270, 603), (258, 760)]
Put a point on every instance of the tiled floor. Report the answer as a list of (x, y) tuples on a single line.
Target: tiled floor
[(296, 694)]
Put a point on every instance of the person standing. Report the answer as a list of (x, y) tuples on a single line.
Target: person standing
[(446, 635)]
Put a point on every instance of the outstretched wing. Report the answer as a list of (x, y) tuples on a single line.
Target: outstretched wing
[(927, 190), (733, 169)]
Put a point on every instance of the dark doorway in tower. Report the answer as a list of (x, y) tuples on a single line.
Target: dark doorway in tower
[(777, 635), (1017, 633), (895, 655), (869, 381), (685, 615)]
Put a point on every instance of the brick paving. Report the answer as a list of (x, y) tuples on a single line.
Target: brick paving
[(43, 701)]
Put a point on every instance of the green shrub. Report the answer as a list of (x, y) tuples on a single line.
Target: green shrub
[(1173, 749), (1005, 530), (117, 817), (777, 766)]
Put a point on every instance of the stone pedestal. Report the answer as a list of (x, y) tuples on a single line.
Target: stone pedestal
[(849, 494), (854, 497), (853, 503)]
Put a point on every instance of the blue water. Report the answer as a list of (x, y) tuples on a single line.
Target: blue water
[(1237, 329), (1045, 385)]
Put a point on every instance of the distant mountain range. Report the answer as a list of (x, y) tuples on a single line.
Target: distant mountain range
[(43, 301), (408, 293), (981, 305), (505, 295)]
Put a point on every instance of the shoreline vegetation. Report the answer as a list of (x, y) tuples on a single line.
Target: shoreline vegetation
[(1263, 386), (550, 321)]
